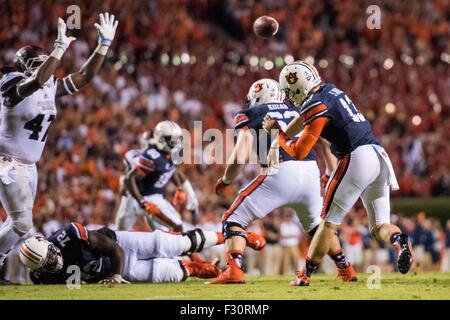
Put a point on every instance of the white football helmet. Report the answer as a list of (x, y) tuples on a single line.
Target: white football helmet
[(297, 79), (167, 136), (37, 253), (264, 91)]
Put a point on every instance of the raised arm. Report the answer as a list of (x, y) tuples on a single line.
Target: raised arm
[(26, 87), (75, 81)]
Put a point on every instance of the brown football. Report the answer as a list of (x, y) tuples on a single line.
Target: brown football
[(265, 26)]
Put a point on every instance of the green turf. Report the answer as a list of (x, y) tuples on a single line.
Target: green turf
[(393, 286)]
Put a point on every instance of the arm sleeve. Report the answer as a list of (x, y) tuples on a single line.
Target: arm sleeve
[(302, 147), (78, 232), (241, 121)]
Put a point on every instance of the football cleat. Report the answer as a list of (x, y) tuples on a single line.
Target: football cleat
[(255, 241), (347, 274), (405, 257), (232, 275), (301, 280), (204, 270)]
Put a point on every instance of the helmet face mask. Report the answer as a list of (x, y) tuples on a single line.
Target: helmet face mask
[(54, 261), (33, 63), (298, 80)]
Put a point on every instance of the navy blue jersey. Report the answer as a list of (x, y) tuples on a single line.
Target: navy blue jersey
[(73, 241), (157, 168), (253, 117), (347, 129)]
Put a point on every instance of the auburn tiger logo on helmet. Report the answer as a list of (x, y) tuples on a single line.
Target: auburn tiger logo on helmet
[(257, 87), (292, 78)]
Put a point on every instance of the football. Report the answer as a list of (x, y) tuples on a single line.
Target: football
[(265, 27)]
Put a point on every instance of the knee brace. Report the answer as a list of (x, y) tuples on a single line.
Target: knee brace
[(197, 238), (228, 233), (22, 223)]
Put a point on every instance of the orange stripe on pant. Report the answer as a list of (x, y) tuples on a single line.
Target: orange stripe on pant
[(153, 209), (245, 193), (334, 184)]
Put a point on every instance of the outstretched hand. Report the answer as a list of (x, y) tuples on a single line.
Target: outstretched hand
[(106, 29), (63, 41)]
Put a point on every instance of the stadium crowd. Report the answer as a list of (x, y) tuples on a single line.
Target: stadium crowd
[(187, 60)]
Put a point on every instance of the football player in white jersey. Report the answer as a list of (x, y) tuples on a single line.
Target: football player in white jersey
[(294, 182), (27, 102)]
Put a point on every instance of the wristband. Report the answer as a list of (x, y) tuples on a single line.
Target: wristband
[(58, 52), (102, 49)]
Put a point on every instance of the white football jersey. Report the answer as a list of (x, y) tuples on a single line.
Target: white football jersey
[(24, 127)]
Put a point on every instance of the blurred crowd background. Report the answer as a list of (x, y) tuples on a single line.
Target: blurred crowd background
[(187, 60)]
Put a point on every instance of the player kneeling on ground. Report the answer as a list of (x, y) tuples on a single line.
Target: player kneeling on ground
[(109, 256)]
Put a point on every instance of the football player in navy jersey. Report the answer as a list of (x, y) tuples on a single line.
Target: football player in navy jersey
[(148, 172), (364, 169), (293, 181), (109, 256)]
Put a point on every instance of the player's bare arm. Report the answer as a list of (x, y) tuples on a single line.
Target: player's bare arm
[(236, 161), (33, 83), (107, 247), (131, 185), (75, 81)]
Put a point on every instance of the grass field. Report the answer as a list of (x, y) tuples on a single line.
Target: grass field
[(393, 286)]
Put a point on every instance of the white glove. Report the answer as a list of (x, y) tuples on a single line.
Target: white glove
[(192, 201), (63, 41), (106, 29)]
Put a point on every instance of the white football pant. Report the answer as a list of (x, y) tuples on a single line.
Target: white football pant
[(365, 173), (295, 182), (18, 185), (153, 256)]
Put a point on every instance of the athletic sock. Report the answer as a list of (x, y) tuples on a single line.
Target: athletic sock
[(212, 238), (235, 257), (310, 267), (340, 259)]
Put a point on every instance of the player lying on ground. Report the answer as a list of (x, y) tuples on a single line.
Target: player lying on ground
[(113, 256), (27, 101), (148, 172), (364, 170), (294, 182)]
